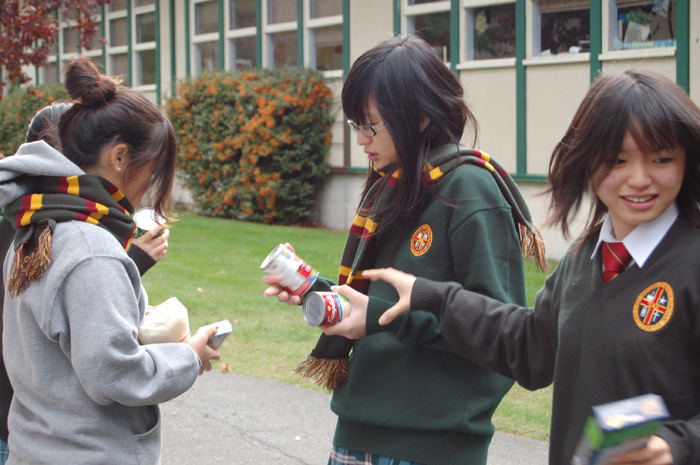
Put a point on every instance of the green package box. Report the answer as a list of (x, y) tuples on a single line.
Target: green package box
[(618, 427)]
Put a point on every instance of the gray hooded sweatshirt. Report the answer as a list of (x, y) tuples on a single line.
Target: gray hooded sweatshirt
[(86, 392)]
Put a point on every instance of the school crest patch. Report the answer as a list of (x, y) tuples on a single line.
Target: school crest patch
[(421, 240), (654, 307)]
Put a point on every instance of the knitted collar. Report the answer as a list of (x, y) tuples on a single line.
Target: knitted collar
[(86, 197)]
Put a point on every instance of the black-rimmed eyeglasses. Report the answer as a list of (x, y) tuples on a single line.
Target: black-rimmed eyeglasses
[(366, 130)]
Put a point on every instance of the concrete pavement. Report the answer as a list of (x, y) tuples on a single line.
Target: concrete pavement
[(234, 419)]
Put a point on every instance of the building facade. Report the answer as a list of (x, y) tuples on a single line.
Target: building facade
[(525, 64)]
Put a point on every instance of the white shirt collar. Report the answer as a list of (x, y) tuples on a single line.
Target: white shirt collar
[(643, 239)]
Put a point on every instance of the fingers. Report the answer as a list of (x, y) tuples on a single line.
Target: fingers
[(271, 279), (390, 315), (377, 274)]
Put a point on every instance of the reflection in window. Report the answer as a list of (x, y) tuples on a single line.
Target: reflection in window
[(146, 27), (70, 40), (206, 17), (117, 32), (146, 67), (49, 73), (323, 8), (206, 57), (491, 32), (564, 27), (119, 65), (284, 49), (435, 29), (643, 24), (118, 5), (327, 48), (241, 14), (243, 52), (281, 11)]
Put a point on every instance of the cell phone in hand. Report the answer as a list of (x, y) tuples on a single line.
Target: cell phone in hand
[(224, 329)]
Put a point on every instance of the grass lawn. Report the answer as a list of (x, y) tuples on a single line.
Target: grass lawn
[(213, 268)]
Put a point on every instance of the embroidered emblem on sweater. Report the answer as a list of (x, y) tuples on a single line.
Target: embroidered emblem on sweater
[(654, 307), (421, 240)]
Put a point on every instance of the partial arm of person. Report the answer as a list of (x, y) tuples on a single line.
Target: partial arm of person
[(515, 341), (147, 250), (98, 333)]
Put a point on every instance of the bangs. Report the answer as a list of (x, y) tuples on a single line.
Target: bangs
[(355, 101), (652, 133)]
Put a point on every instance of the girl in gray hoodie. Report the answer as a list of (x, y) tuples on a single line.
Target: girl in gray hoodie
[(85, 390)]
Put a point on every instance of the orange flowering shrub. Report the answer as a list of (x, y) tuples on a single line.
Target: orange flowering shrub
[(18, 108), (252, 144)]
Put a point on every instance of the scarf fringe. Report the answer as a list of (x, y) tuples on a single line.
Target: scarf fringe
[(28, 268), (533, 245), (327, 373)]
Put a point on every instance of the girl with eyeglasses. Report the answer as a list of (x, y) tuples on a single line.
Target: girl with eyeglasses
[(85, 390), (436, 209)]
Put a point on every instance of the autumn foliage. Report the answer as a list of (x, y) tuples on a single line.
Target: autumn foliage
[(29, 28), (252, 144)]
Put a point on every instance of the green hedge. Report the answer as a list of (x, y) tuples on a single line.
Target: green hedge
[(253, 144), (17, 109)]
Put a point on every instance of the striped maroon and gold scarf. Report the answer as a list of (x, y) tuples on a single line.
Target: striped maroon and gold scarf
[(327, 364), (87, 197)]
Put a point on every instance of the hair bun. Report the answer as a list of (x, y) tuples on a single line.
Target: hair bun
[(86, 85)]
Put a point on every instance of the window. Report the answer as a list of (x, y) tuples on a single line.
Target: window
[(431, 21), (144, 43), (281, 33), (69, 43), (561, 26), (325, 34), (281, 11), (241, 34), (490, 32), (205, 39), (324, 8), (283, 49), (117, 33), (642, 24), (241, 14)]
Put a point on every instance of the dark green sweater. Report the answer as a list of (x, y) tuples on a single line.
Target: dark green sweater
[(595, 341), (417, 400)]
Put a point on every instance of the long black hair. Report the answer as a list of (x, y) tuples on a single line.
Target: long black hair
[(409, 84)]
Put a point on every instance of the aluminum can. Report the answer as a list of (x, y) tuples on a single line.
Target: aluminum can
[(297, 275), (325, 308)]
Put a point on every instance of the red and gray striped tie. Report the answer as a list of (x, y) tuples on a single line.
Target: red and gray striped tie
[(615, 259)]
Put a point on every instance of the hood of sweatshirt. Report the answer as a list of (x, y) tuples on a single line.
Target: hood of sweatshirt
[(19, 173)]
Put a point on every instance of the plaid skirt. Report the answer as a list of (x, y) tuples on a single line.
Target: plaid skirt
[(4, 452), (342, 456)]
